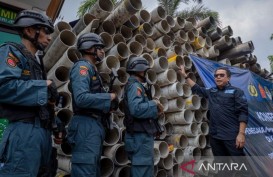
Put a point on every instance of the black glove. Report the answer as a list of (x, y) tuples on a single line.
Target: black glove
[(114, 104), (53, 94)]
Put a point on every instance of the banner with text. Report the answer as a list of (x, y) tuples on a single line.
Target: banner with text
[(258, 91)]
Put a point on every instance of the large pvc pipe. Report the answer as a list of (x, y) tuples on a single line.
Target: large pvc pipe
[(145, 29), (101, 9), (162, 146), (198, 141), (65, 88), (60, 75), (120, 51), (164, 101), (158, 14), (172, 91), (186, 90), (108, 63), (175, 62), (119, 121), (180, 77), (170, 21), (82, 23), (203, 52), (215, 34), (122, 77), (149, 58), (107, 40), (107, 166), (183, 117), (239, 50), (207, 152), (61, 173), (166, 163), (156, 156), (151, 76), (124, 11), (227, 31), (160, 64), (161, 173), (120, 110), (199, 42), (181, 37), (123, 171), (112, 136), (143, 16), (168, 128), (193, 102), (65, 115), (64, 163), (117, 38), (190, 24), (106, 26), (135, 48), (117, 153), (198, 116), (188, 130), (160, 28), (139, 38), (203, 128), (166, 78), (122, 134), (163, 42), (186, 48), (126, 32), (178, 140), (179, 24), (208, 42), (59, 27), (222, 43), (192, 153), (176, 104), (213, 52), (161, 118), (91, 27), (133, 22), (195, 32), (70, 56), (65, 39), (150, 46), (206, 23), (177, 172), (204, 103), (172, 36), (163, 134), (173, 51), (178, 155), (225, 61), (158, 52), (155, 91), (238, 40), (202, 32)]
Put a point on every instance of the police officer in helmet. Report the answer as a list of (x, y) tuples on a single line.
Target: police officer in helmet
[(24, 96), (141, 114), (90, 104)]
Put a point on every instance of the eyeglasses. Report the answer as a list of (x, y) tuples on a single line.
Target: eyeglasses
[(46, 30), (221, 75), (98, 47)]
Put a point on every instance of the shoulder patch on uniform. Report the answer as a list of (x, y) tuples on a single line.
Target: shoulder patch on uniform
[(139, 91), (12, 60), (83, 70)]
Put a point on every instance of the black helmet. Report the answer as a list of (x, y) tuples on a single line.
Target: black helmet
[(88, 40), (137, 64), (28, 18)]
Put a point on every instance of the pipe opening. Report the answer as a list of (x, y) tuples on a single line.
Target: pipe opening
[(62, 73), (65, 115), (106, 5), (68, 37)]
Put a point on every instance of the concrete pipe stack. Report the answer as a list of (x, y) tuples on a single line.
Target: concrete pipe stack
[(165, 42)]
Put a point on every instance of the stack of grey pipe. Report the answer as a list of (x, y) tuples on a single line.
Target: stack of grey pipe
[(165, 42)]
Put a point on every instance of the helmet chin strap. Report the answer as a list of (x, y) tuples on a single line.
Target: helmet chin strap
[(141, 77), (34, 41), (98, 59)]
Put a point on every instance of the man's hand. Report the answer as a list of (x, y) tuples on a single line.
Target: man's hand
[(240, 140), (182, 71), (160, 107)]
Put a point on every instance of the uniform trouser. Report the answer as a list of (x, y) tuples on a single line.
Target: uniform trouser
[(225, 151), (86, 136), (25, 148), (139, 147)]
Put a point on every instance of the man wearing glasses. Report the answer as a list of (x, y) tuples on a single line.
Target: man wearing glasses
[(228, 113)]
